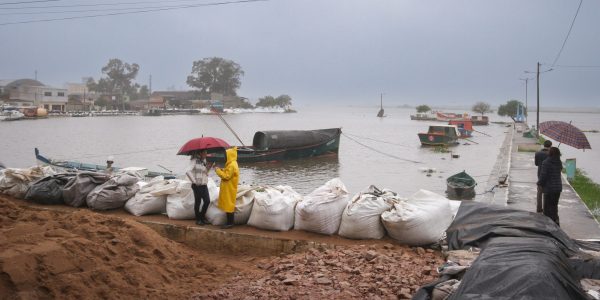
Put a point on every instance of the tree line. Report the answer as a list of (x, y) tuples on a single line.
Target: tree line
[(509, 109)]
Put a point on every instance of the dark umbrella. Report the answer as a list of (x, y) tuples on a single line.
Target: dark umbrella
[(203, 143), (565, 133)]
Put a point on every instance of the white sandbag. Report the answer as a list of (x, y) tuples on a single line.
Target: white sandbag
[(420, 220), (180, 205), (114, 193), (15, 182), (362, 216), (145, 202), (321, 210), (243, 207), (273, 208)]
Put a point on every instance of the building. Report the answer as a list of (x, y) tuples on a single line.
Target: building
[(29, 92)]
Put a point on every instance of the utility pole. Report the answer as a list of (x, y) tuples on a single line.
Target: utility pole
[(526, 107), (537, 122), (35, 75)]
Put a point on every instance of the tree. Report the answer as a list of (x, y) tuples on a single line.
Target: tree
[(118, 80), (215, 75), (266, 101), (423, 108), (481, 108), (509, 109), (283, 101)]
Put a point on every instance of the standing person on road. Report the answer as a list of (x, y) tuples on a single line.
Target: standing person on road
[(230, 175), (551, 182), (198, 175), (540, 156)]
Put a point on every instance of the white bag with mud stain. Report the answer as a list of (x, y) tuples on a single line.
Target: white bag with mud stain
[(420, 220), (151, 199), (321, 210), (362, 217), (243, 207), (15, 182), (180, 205), (273, 208)]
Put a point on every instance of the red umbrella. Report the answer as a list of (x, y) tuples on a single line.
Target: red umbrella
[(565, 133), (203, 143)]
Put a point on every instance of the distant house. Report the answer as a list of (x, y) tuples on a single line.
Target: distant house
[(29, 92)]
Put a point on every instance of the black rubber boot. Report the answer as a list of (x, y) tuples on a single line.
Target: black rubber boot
[(229, 221)]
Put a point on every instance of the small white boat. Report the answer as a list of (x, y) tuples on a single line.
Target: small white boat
[(11, 115)]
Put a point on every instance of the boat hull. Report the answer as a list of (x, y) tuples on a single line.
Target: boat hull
[(460, 186), (432, 139)]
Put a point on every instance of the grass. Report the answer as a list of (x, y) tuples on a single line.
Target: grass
[(589, 192)]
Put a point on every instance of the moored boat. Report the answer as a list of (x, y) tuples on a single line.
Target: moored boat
[(480, 120), (423, 117), (65, 165), (445, 117), (286, 145), (460, 186), (440, 135), (465, 127), (11, 115)]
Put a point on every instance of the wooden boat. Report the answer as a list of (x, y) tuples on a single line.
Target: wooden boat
[(465, 127), (445, 117), (281, 145), (65, 165), (440, 135), (480, 120), (460, 186), (423, 117)]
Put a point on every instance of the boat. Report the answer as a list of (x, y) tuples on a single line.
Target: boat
[(269, 146), (153, 112), (423, 117), (460, 186), (11, 115), (439, 135), (445, 117), (381, 111), (465, 127), (64, 165), (480, 120)]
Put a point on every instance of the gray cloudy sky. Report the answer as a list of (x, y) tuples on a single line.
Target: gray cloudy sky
[(438, 52)]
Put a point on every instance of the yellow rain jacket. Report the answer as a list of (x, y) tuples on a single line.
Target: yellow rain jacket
[(229, 181)]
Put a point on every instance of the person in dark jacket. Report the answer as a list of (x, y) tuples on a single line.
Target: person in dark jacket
[(551, 182), (540, 156)]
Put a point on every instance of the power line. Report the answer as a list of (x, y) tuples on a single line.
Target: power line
[(25, 2), (131, 12), (92, 10), (583, 67), (94, 4), (568, 33)]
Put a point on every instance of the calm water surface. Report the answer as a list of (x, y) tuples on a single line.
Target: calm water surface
[(391, 160)]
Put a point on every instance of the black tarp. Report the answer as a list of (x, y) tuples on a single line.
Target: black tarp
[(280, 139), (524, 255), (48, 190)]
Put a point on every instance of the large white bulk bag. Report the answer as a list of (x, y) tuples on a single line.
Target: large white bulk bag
[(321, 210), (243, 207), (180, 205), (420, 220), (273, 208), (362, 216), (145, 202)]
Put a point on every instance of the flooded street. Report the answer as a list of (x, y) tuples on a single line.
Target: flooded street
[(390, 155)]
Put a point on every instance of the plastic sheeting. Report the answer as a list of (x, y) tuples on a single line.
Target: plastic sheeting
[(420, 220), (243, 207), (150, 199), (113, 193), (273, 208), (49, 190), (77, 189), (15, 182), (321, 210), (362, 216)]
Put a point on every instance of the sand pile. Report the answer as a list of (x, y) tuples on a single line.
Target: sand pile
[(373, 272), (47, 254)]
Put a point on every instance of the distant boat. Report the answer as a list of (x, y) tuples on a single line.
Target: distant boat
[(381, 111), (153, 112), (439, 135), (281, 145), (11, 115), (423, 117), (480, 120), (442, 116), (465, 127), (460, 186)]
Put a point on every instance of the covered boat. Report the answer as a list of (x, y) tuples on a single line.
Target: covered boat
[(440, 135), (465, 127), (79, 166), (460, 186), (286, 145)]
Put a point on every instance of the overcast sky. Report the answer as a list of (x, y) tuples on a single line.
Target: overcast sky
[(439, 52)]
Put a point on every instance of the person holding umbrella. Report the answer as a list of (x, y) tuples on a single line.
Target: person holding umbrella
[(540, 156), (198, 175), (229, 183), (551, 182)]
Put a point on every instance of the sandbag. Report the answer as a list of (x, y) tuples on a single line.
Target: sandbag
[(321, 210), (243, 207), (180, 205), (145, 202), (420, 220), (362, 216), (77, 189), (113, 193), (273, 208), (15, 182), (48, 190)]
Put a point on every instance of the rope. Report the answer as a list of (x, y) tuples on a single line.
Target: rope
[(381, 152), (372, 139), (124, 153), (231, 129)]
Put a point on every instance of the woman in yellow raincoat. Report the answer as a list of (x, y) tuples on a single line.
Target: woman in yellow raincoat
[(230, 175)]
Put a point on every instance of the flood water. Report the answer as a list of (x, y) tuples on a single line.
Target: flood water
[(390, 155)]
